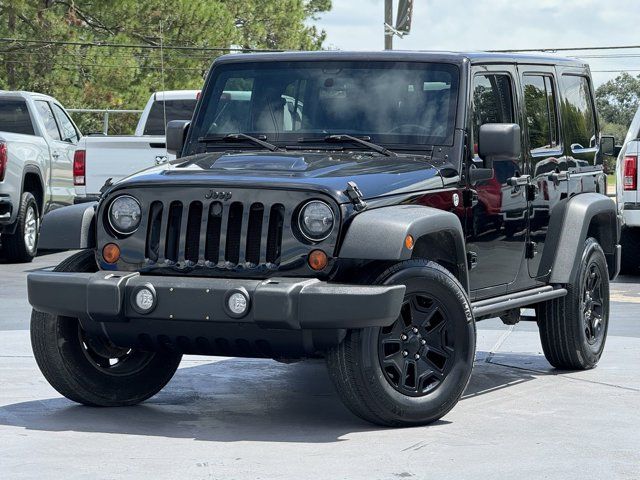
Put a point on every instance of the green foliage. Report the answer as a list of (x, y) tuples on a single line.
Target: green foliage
[(83, 76), (618, 100)]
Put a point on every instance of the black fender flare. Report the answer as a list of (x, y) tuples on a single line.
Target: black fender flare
[(379, 234), (68, 228), (572, 221)]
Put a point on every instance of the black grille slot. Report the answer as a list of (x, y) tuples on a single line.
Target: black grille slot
[(254, 232), (212, 246), (173, 231), (234, 230), (192, 240), (153, 231), (274, 237)]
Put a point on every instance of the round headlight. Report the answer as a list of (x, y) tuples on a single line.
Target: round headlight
[(124, 214), (316, 220)]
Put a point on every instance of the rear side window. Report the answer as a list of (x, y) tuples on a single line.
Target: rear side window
[(44, 110), (492, 100), (579, 114), (69, 132), (15, 118), (542, 118), (175, 110)]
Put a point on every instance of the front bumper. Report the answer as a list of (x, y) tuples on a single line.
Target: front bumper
[(276, 303)]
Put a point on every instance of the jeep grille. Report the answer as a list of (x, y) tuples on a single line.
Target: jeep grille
[(214, 232)]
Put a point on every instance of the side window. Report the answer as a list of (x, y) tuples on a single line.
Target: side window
[(579, 114), (542, 118), (492, 100), (44, 110), (69, 132)]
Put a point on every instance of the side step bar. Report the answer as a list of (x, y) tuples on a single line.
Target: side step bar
[(482, 308)]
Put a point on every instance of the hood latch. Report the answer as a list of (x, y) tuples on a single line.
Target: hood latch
[(356, 197)]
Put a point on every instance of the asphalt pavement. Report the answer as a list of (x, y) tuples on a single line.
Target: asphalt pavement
[(231, 418)]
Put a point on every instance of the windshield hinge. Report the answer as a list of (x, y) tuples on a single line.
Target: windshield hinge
[(356, 197)]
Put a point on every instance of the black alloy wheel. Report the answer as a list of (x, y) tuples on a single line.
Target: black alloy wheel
[(415, 351)]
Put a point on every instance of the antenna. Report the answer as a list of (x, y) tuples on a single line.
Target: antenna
[(164, 104)]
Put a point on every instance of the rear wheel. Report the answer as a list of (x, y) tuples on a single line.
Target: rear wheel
[(415, 370), (90, 369), (573, 329), (22, 245)]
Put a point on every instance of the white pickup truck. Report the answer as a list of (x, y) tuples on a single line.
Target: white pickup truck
[(628, 197), (37, 144), (103, 157)]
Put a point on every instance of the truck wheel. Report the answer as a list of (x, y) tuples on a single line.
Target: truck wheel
[(630, 241), (573, 329), (90, 369), (21, 246), (415, 370)]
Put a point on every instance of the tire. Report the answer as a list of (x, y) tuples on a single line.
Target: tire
[(367, 373), (22, 246), (78, 365), (573, 329), (630, 241)]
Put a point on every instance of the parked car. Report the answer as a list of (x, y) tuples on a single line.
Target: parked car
[(103, 157), (37, 143), (344, 232), (628, 197)]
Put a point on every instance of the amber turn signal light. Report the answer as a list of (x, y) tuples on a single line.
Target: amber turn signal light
[(408, 242), (318, 260), (111, 253)]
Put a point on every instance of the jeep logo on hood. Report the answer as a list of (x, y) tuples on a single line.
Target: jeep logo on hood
[(212, 194)]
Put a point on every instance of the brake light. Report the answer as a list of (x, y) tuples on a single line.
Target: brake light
[(79, 162), (4, 158), (630, 179), (198, 95)]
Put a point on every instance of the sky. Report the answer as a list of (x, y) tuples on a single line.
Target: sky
[(497, 24)]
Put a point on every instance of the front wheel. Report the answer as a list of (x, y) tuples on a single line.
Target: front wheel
[(89, 369), (415, 370)]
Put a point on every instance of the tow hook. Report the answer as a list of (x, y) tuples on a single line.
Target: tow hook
[(356, 197)]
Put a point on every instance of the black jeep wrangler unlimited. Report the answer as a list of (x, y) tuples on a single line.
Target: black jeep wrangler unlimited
[(364, 207)]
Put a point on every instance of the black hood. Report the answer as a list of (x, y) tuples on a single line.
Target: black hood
[(376, 175)]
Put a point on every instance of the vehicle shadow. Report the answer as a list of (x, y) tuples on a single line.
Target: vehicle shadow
[(236, 400)]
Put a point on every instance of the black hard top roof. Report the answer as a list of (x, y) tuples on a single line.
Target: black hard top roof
[(400, 55)]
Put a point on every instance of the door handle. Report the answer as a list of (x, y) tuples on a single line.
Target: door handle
[(519, 181), (557, 177)]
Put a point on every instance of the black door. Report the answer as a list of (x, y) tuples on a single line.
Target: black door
[(497, 222), (544, 150)]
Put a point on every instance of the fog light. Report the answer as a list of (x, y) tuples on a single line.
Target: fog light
[(144, 299), (237, 303)]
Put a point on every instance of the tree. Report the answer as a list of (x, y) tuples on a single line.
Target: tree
[(617, 101), (121, 76)]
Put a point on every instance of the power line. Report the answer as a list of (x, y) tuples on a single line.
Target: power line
[(565, 49), (129, 45)]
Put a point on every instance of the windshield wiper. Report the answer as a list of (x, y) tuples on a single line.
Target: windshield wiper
[(241, 137), (341, 138)]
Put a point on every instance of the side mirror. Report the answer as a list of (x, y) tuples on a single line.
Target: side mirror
[(608, 145), (176, 133), (499, 140)]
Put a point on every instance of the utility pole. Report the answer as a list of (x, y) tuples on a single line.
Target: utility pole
[(388, 21)]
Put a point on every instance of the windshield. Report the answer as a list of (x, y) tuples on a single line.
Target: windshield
[(175, 110), (393, 103)]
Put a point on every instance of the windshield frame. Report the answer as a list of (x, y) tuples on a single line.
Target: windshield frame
[(212, 91)]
